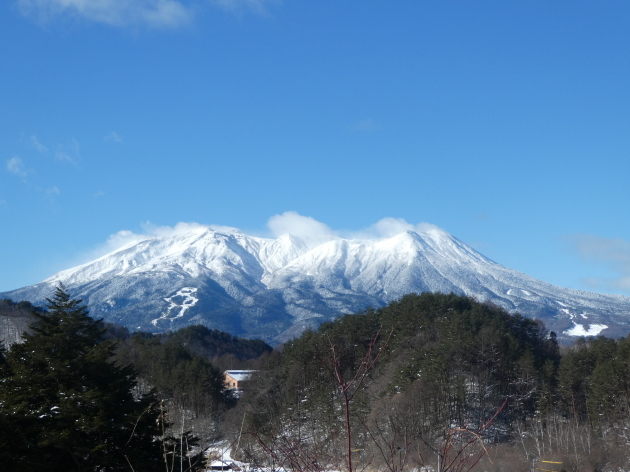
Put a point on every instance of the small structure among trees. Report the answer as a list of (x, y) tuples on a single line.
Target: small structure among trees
[(235, 379)]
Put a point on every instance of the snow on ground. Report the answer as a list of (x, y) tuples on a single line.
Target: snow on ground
[(221, 451), (188, 294), (222, 459), (581, 330)]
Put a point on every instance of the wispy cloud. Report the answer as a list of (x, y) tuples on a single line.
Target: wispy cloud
[(113, 137), (63, 156), (150, 230), (291, 222), (366, 125), (389, 227), (125, 237), (98, 194), (152, 13), (38, 145), (16, 166), (69, 152), (238, 6), (52, 192), (612, 253)]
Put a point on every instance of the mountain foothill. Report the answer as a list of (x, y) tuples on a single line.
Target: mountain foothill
[(428, 382)]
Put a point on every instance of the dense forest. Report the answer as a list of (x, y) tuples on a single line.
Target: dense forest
[(186, 369), (15, 319), (441, 381), (79, 395), (431, 382)]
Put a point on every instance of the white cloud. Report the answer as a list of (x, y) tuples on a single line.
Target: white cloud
[(389, 227), (114, 242), (291, 222), (113, 137), (121, 239), (152, 230), (98, 193), (149, 230), (38, 145), (16, 166), (612, 253), (153, 13)]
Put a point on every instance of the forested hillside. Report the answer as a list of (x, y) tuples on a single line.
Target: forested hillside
[(439, 378), (186, 368), (15, 318), (432, 380), (76, 394)]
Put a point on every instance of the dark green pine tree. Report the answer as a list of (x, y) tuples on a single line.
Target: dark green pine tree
[(69, 406)]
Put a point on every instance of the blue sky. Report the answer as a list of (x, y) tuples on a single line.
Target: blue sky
[(505, 123)]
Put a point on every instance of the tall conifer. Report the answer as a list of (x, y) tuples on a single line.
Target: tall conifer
[(69, 405)]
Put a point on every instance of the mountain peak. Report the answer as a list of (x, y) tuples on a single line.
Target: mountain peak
[(263, 287)]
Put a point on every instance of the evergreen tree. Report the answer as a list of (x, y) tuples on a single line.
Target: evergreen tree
[(69, 406)]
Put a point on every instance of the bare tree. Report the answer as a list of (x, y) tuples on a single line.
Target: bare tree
[(392, 441), (463, 448), (330, 357), (299, 454)]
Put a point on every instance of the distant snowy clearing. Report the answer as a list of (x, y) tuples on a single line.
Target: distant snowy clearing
[(580, 330)]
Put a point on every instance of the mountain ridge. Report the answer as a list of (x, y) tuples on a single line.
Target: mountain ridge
[(275, 288)]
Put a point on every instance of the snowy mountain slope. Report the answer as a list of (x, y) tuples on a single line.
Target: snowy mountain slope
[(276, 288)]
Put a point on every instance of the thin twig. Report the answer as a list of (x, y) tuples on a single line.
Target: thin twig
[(138, 421), (133, 470)]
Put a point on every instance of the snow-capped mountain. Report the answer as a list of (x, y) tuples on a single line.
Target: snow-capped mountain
[(275, 288)]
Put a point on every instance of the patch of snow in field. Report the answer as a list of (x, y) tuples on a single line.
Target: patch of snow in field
[(580, 330)]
